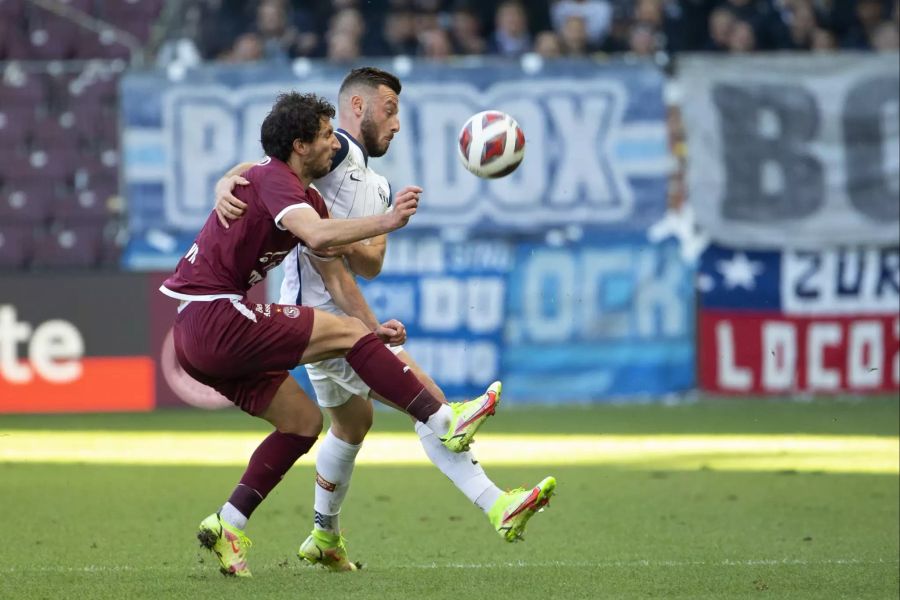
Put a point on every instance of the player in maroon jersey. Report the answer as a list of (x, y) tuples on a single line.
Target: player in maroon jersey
[(245, 350)]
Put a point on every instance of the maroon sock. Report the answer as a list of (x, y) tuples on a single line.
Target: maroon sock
[(268, 464), (389, 377)]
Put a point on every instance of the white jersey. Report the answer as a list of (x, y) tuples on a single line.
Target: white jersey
[(351, 189)]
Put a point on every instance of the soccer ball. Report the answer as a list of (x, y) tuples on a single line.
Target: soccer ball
[(491, 144)]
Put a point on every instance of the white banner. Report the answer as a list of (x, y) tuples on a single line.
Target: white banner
[(794, 150)]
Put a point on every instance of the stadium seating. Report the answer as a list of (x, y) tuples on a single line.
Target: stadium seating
[(69, 245), (59, 157), (16, 245)]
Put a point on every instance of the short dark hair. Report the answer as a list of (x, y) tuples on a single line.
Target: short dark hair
[(293, 117), (370, 77)]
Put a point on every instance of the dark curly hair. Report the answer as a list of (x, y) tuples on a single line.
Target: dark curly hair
[(293, 117), (370, 77)]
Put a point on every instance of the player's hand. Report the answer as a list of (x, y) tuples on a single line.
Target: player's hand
[(228, 207), (392, 332), (405, 205)]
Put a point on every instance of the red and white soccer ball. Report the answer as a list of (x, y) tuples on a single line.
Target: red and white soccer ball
[(491, 144)]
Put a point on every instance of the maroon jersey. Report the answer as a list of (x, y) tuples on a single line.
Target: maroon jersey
[(225, 263)]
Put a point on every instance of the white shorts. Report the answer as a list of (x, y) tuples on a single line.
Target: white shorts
[(333, 380)]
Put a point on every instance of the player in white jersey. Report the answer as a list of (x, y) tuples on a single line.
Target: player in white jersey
[(368, 118)]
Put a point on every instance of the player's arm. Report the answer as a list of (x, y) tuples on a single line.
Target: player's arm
[(346, 294), (343, 288), (228, 207), (364, 258), (319, 233), (367, 257)]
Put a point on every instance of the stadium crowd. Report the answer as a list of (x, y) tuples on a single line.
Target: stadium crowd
[(344, 30)]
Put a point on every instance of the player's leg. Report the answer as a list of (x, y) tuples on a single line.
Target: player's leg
[(298, 423), (469, 477), (336, 457), (351, 418), (461, 468), (336, 336)]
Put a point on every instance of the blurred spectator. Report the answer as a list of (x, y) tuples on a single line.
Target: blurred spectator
[(574, 37), (597, 16), (824, 41), (465, 32), (867, 16), (767, 26), (349, 21), (426, 21), (511, 36), (649, 12), (885, 38), (802, 26), (742, 39), (342, 46), (721, 23), (399, 34), (435, 45), (643, 41), (279, 38), (340, 29), (548, 45), (247, 48)]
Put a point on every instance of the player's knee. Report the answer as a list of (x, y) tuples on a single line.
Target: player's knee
[(354, 433), (354, 329), (361, 426), (307, 423), (357, 328)]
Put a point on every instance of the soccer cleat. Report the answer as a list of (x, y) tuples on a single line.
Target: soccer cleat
[(228, 543), (469, 416), (327, 549), (512, 510)]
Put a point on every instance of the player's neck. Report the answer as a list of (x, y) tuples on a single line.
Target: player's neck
[(297, 166), (354, 129)]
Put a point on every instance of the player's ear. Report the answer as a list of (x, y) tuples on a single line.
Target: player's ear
[(300, 148), (357, 104)]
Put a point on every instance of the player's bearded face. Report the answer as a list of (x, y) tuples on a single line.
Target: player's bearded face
[(322, 163), (373, 141), (324, 149)]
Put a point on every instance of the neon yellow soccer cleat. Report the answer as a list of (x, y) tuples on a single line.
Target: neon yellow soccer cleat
[(511, 512), (328, 550), (228, 543), (469, 416)]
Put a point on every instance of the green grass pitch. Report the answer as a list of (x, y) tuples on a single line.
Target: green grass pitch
[(702, 526)]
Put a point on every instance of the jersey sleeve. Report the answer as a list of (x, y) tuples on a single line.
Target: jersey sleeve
[(315, 201), (281, 193)]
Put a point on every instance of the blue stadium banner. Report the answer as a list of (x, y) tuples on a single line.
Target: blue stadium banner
[(452, 299), (596, 151), (606, 319), (610, 318)]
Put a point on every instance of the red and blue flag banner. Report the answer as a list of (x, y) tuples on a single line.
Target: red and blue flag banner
[(786, 322)]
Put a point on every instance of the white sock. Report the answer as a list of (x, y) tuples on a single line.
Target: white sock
[(334, 467), (233, 516), (439, 422), (461, 468)]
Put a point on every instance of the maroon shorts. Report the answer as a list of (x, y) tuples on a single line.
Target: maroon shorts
[(242, 349)]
